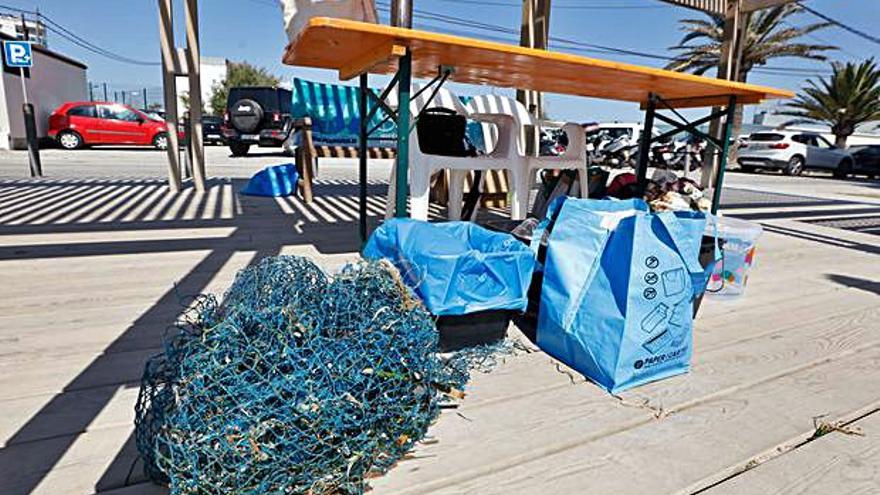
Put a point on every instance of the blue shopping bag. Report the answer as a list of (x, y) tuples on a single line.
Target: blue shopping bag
[(617, 290), (273, 181), (456, 267)]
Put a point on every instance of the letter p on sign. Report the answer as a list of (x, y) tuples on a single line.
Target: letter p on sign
[(18, 54)]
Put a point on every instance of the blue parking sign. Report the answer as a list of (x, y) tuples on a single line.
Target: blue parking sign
[(18, 54)]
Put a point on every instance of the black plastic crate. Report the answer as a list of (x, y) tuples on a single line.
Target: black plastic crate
[(468, 330)]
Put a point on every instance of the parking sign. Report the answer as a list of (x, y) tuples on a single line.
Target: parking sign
[(18, 54)]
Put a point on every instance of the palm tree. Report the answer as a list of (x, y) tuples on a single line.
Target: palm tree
[(768, 35), (849, 97)]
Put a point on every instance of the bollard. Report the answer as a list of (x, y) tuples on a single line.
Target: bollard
[(30, 128)]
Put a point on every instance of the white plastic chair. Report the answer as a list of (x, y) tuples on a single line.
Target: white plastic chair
[(574, 157), (504, 156)]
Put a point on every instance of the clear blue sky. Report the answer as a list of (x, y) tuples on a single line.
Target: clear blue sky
[(252, 30)]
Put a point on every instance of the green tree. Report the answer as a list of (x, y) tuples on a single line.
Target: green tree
[(239, 74), (847, 98), (186, 101), (768, 35)]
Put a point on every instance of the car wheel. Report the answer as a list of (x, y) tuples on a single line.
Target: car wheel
[(795, 166), (70, 140), (238, 148), (160, 141), (843, 170)]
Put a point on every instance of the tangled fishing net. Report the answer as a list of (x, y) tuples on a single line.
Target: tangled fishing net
[(295, 383)]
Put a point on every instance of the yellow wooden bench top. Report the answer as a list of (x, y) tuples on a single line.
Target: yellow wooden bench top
[(352, 47)]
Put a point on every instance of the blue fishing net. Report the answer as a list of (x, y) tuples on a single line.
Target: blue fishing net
[(295, 383)]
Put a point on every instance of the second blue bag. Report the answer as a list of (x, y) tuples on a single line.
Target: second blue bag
[(619, 281), (273, 181), (456, 267)]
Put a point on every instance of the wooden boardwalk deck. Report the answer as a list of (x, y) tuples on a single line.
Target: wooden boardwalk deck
[(90, 266)]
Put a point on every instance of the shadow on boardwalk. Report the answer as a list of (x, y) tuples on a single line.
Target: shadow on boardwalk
[(98, 218)]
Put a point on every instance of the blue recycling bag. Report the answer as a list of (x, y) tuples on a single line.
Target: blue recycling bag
[(275, 180), (619, 281), (456, 267)]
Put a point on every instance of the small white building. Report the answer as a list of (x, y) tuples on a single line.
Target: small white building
[(53, 80), (14, 27), (213, 71)]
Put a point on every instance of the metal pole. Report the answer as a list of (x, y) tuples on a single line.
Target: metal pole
[(534, 32), (725, 146), (403, 92), (362, 154), (91, 92), (30, 130), (726, 71), (105, 91), (401, 13), (401, 16), (145, 98), (645, 144), (169, 85), (195, 93)]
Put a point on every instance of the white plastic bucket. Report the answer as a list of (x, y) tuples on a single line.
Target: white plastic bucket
[(739, 240)]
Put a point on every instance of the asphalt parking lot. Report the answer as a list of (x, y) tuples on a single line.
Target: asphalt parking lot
[(149, 163)]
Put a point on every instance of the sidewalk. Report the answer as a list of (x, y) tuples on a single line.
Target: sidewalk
[(94, 265)]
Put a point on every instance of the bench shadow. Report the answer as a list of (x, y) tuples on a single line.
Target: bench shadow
[(261, 225)]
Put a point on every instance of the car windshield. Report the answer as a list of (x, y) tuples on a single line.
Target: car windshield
[(766, 136), (271, 99)]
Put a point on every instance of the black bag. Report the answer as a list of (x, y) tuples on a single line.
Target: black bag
[(441, 131)]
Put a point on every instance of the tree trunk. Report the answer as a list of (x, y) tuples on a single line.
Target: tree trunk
[(840, 140), (737, 122)]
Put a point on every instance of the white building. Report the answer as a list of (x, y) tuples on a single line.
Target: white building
[(53, 80), (213, 71), (11, 26)]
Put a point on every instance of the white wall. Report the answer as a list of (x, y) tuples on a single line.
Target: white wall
[(52, 83), (213, 70)]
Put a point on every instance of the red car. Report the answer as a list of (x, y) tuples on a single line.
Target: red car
[(85, 123)]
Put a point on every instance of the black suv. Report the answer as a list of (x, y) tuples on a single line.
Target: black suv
[(257, 115)]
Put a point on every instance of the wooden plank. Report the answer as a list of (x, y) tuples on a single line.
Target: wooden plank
[(724, 369), (695, 447), (145, 488), (329, 43), (66, 414), (834, 463), (369, 59)]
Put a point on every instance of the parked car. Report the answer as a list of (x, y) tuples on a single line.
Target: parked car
[(866, 159), (212, 130), (87, 123), (257, 115), (793, 152)]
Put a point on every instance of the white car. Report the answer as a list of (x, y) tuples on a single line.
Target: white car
[(793, 152)]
